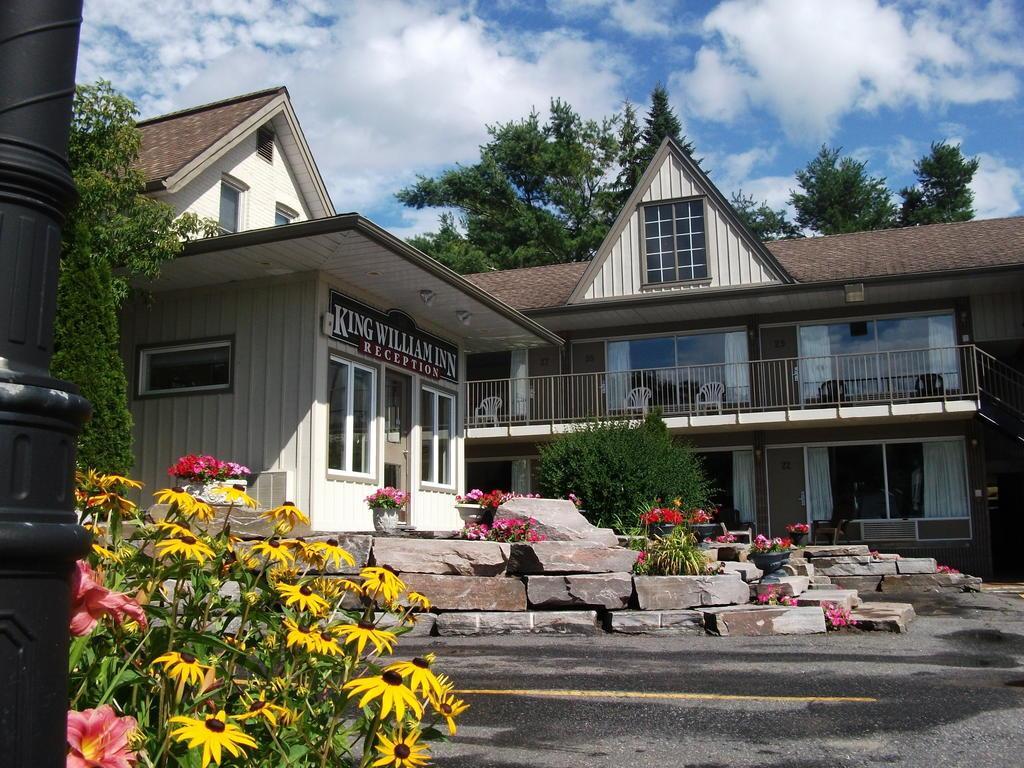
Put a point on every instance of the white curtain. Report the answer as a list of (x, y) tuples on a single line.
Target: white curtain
[(815, 363), (942, 357), (743, 484), (819, 484), (737, 374), (520, 476), (945, 483), (618, 375), (520, 385)]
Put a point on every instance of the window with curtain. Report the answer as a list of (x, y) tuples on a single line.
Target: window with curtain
[(351, 409), (520, 384), (743, 485), (437, 415)]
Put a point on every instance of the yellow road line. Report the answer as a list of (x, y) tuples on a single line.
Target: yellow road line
[(670, 696)]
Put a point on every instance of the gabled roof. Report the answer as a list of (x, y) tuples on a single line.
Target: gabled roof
[(532, 287), (177, 146)]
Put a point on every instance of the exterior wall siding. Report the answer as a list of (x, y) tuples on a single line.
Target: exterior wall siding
[(731, 262), (264, 422), (998, 316)]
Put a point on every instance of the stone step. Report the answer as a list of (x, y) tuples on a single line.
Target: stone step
[(784, 586), (861, 583), (599, 590), (746, 571), (931, 582), (818, 581), (847, 598), (812, 551), (655, 622), (884, 617), (916, 565), (469, 593), (563, 557), (525, 623), (453, 557), (799, 568), (854, 567), (659, 593), (759, 620)]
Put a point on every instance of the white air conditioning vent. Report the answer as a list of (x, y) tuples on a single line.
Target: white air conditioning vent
[(272, 488), (889, 530)]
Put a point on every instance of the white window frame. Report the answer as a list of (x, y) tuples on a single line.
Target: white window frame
[(646, 282), (371, 461), (240, 215), (146, 354), (437, 394), (282, 210)]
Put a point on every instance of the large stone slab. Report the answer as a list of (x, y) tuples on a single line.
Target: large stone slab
[(835, 550), (845, 598), (799, 568), (869, 568), (884, 617), (603, 590), (859, 583), (469, 593), (526, 623), (931, 582), (755, 621), (746, 571), (655, 622), (659, 593), (916, 565), (453, 557), (558, 520), (784, 586), (556, 557)]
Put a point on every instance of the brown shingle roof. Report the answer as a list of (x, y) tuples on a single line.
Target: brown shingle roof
[(532, 287), (929, 248), (170, 141)]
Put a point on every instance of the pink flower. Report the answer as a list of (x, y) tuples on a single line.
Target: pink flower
[(98, 738), (90, 601)]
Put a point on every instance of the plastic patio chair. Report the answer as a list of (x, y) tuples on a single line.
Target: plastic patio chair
[(638, 399), (488, 409), (710, 396)]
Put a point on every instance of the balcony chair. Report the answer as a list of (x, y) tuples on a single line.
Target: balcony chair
[(830, 529), (832, 391), (729, 520), (638, 399), (488, 410), (710, 396), (929, 385)]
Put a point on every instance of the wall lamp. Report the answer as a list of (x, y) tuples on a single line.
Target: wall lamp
[(427, 296), (464, 316)]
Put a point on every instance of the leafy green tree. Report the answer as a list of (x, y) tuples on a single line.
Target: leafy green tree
[(838, 196), (539, 194), (943, 190), (451, 248), (112, 234), (764, 222)]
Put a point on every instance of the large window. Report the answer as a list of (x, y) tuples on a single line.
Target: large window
[(674, 242), (437, 425), (230, 219), (352, 402), (201, 367)]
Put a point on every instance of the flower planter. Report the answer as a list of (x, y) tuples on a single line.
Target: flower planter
[(797, 538), (768, 562), (212, 491), (705, 530), (385, 520), (661, 529), (471, 514)]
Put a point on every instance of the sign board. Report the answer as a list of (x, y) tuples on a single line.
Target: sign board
[(390, 336)]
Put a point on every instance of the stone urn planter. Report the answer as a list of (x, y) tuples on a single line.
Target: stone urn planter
[(768, 562), (212, 491), (385, 521), (471, 514), (797, 538)]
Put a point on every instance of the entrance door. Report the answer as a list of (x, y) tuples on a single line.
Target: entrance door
[(397, 420), (787, 500), (777, 379)]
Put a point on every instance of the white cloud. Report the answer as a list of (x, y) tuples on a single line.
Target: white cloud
[(998, 188), (811, 62), (640, 18)]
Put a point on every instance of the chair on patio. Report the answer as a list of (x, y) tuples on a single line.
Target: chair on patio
[(488, 409), (929, 385), (832, 391), (710, 396), (831, 530), (638, 399), (729, 520)]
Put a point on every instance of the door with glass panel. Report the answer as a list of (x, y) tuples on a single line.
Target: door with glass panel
[(397, 420), (787, 497)]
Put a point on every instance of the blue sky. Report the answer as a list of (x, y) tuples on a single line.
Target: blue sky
[(387, 89)]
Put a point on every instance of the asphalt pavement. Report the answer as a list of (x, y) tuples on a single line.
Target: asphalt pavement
[(948, 693)]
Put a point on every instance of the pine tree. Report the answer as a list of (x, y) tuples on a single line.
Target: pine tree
[(838, 196), (630, 157), (762, 221), (661, 121), (943, 191)]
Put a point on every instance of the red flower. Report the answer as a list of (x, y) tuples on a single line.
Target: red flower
[(98, 738), (90, 601)]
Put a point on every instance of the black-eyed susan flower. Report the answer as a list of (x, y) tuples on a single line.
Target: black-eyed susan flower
[(176, 496), (302, 597), (214, 734), (381, 582), (188, 547), (262, 709), (201, 511), (105, 553), (183, 667), (106, 482), (328, 644), (235, 494), (174, 529), (390, 689), (402, 751), (286, 516), (301, 636), (449, 708), (419, 674), (417, 600), (365, 632), (329, 553), (275, 551)]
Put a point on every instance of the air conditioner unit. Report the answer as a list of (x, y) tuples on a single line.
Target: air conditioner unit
[(273, 487), (888, 530)]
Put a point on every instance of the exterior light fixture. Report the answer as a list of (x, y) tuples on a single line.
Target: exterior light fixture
[(427, 296), (854, 292), (464, 316)]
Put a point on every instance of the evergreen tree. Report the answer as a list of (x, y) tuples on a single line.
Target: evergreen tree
[(943, 190), (764, 222), (449, 246), (630, 158), (661, 121), (838, 196)]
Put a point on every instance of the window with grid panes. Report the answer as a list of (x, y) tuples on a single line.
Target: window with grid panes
[(674, 241)]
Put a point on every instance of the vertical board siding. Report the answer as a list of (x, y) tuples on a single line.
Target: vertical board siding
[(998, 317), (731, 261)]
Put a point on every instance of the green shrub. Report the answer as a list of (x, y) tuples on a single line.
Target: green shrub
[(615, 466)]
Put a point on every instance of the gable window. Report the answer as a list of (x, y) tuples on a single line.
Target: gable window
[(177, 369), (352, 405), (437, 424), (283, 215), (674, 242), (230, 207)]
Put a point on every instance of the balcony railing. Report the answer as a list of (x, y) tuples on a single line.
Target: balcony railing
[(937, 374)]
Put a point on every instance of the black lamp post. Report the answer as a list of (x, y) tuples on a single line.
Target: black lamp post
[(40, 417)]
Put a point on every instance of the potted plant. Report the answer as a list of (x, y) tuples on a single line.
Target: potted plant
[(701, 522), (660, 521), (479, 507), (385, 503), (205, 477), (469, 508), (797, 532), (769, 555)]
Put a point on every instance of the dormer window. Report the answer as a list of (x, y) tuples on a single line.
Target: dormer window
[(674, 246)]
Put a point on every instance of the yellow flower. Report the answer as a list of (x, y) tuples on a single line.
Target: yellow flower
[(235, 494), (381, 582), (402, 752), (183, 667), (187, 546), (261, 708), (105, 553), (445, 682), (287, 516), (173, 528), (201, 511), (328, 644), (301, 635), (390, 689), (213, 734), (418, 600), (421, 678), (365, 632), (274, 551), (448, 707), (324, 553), (106, 482), (303, 597), (176, 495)]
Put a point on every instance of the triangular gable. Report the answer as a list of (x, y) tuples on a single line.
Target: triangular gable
[(734, 256)]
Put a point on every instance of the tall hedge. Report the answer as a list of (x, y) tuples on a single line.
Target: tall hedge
[(615, 466)]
